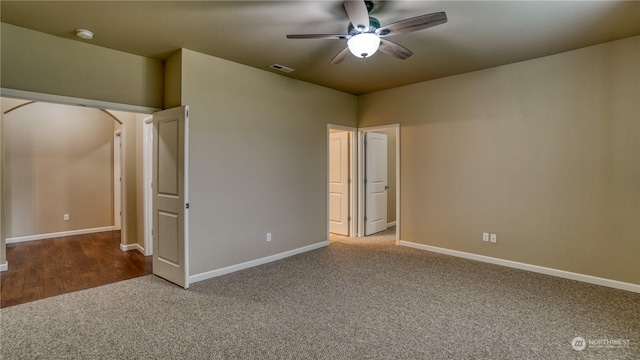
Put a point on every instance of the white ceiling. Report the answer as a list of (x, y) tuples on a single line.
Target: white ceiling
[(478, 35)]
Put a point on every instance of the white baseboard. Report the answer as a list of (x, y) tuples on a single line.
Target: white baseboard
[(528, 267), (393, 223), (252, 263), (57, 234), (129, 247), (4, 267)]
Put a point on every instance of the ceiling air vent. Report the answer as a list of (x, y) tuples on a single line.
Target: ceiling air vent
[(281, 68)]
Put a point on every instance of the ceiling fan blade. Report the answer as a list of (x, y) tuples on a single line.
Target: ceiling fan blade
[(319, 36), (341, 56), (412, 24), (393, 49), (358, 14)]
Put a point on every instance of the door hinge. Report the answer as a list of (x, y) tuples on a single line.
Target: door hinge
[(186, 205), (152, 184), (365, 180), (365, 218), (365, 143), (152, 232), (349, 181), (349, 218)]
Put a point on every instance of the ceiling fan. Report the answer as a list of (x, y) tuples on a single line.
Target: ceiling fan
[(365, 36)]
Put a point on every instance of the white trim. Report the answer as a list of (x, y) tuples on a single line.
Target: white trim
[(67, 100), (360, 180), (398, 182), (147, 176), (4, 267), (528, 267), (118, 179), (257, 262), (130, 247), (57, 234), (185, 179), (393, 223)]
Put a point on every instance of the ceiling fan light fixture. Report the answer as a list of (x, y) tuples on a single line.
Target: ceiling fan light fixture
[(363, 45)]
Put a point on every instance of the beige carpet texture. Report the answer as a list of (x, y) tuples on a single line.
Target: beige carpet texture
[(354, 299)]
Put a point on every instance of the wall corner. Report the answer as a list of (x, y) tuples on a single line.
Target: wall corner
[(173, 80)]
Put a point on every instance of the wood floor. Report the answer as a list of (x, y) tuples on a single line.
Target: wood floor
[(45, 268)]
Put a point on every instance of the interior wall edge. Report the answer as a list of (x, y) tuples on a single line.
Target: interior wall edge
[(69, 100)]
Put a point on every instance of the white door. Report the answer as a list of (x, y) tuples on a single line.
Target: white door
[(170, 201), (375, 183), (339, 183)]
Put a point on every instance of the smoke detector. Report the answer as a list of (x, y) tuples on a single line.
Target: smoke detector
[(84, 34)]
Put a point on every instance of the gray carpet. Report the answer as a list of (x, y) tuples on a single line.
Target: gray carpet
[(356, 299)]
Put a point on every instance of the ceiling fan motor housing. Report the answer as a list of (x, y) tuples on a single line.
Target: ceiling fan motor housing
[(373, 25)]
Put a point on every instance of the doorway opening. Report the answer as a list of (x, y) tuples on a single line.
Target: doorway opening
[(83, 164)]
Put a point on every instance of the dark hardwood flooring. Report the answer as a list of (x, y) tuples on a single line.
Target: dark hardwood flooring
[(44, 268)]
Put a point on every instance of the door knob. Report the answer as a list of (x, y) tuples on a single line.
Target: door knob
[(386, 187)]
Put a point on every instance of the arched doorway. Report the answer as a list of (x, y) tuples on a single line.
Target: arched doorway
[(58, 172)]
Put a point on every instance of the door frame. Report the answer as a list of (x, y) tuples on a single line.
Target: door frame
[(352, 175), (117, 180), (147, 180), (361, 194)]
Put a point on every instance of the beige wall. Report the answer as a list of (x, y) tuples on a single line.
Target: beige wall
[(173, 80), (131, 185), (37, 62), (58, 160), (5, 105), (545, 153), (258, 160)]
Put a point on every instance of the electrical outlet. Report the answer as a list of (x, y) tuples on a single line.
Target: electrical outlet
[(485, 236), (494, 238), (268, 236), (66, 217)]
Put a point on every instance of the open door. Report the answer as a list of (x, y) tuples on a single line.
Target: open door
[(170, 201), (375, 183), (339, 183)]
